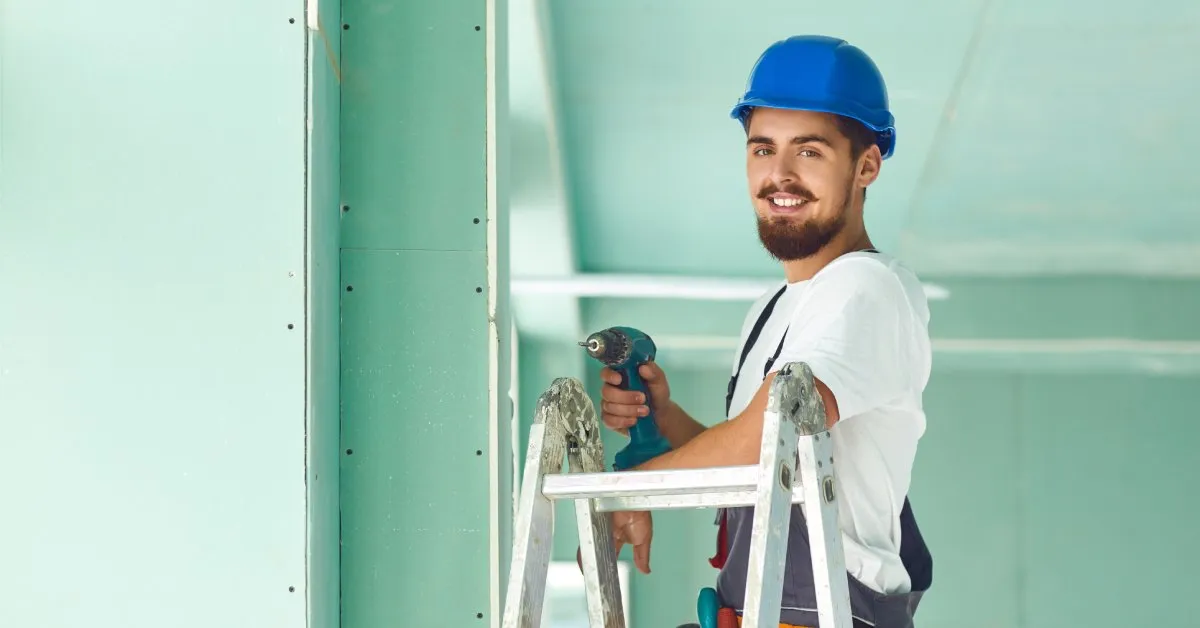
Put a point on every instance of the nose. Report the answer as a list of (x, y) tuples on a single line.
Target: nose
[(783, 169)]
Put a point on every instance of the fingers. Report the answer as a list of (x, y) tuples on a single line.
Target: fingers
[(636, 529), (620, 409), (641, 557), (620, 417), (610, 376)]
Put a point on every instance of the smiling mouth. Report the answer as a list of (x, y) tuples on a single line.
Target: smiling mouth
[(786, 204)]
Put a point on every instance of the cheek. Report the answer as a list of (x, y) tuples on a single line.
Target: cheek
[(824, 183), (757, 177)]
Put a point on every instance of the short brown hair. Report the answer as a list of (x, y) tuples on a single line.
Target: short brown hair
[(859, 135)]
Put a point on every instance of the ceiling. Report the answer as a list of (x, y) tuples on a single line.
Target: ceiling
[(1041, 185)]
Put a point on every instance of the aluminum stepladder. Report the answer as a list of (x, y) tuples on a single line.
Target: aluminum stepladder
[(794, 435)]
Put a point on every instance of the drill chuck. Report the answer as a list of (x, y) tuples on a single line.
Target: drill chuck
[(609, 346)]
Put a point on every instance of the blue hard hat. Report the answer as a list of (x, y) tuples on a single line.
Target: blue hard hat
[(819, 73)]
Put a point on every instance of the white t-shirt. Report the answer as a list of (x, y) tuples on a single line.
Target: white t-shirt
[(861, 324)]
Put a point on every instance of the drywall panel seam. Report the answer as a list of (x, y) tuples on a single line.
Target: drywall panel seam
[(493, 329)]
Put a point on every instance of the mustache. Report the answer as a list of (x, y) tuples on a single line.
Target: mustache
[(794, 188)]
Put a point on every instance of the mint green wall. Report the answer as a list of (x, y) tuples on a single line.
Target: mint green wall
[(1059, 498), (165, 339), (425, 479)]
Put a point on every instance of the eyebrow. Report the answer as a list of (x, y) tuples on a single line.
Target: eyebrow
[(800, 139)]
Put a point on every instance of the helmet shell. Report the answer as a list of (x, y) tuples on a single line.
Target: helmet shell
[(820, 73)]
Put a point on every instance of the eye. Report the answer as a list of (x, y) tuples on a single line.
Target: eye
[(762, 151), (808, 152)]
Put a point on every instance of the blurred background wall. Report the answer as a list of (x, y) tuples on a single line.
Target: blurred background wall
[(259, 365)]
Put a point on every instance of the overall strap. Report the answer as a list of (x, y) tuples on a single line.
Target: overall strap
[(750, 340)]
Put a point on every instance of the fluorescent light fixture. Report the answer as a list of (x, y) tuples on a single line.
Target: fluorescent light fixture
[(664, 286)]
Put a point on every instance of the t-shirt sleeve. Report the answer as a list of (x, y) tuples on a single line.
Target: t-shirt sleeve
[(854, 329)]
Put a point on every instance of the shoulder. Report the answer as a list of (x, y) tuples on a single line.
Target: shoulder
[(870, 278), (859, 269)]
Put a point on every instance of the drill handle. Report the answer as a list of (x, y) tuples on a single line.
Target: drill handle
[(632, 380), (646, 429)]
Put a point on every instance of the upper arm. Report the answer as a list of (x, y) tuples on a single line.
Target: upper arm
[(758, 405)]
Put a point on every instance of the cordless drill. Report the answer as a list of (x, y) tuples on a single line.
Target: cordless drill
[(624, 349)]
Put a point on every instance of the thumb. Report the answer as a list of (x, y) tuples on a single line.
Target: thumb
[(656, 380), (651, 372)]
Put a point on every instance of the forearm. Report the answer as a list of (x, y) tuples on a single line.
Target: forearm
[(735, 442), (677, 426), (729, 443)]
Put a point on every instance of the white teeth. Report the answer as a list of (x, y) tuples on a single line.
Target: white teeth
[(786, 202)]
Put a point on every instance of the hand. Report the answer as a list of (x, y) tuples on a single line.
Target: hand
[(634, 527), (620, 409)]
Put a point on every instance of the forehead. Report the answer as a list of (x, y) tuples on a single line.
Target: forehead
[(784, 124)]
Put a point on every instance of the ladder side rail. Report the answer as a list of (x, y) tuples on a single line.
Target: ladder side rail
[(772, 508), (532, 539), (818, 482), (597, 549), (824, 532), (599, 559)]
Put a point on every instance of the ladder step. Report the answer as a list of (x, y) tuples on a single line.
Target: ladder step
[(714, 487)]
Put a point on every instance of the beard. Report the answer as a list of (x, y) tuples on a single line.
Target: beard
[(787, 239)]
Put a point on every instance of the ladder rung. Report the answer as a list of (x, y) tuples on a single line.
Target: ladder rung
[(714, 487), (727, 499)]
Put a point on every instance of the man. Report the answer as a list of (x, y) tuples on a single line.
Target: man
[(818, 128)]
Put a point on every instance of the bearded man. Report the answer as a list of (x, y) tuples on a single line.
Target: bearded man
[(818, 129)]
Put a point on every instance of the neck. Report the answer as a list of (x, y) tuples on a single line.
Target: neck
[(845, 242)]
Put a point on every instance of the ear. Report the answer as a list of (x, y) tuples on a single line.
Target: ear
[(869, 164)]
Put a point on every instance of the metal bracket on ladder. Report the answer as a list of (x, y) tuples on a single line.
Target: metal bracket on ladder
[(794, 434)]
